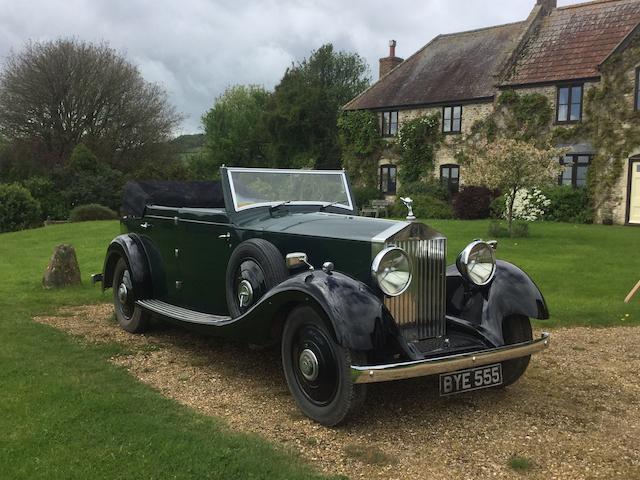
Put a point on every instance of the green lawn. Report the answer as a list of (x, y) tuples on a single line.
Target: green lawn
[(67, 413), (584, 271)]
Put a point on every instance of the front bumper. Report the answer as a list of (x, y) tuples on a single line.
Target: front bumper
[(451, 363)]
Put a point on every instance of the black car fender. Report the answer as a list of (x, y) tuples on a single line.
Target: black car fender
[(130, 247), (357, 316), (511, 292)]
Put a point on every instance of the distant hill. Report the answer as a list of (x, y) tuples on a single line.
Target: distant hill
[(188, 143)]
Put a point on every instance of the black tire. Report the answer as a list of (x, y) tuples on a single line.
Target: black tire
[(515, 329), (130, 316), (331, 397), (256, 265)]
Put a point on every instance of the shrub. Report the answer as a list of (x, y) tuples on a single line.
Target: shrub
[(364, 195), (529, 205), (431, 187), (498, 207), (51, 199), (92, 211), (519, 229), (472, 203), (89, 180), (498, 230), (568, 205), (424, 206), (18, 208)]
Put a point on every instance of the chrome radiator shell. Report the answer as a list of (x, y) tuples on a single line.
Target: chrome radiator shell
[(420, 311)]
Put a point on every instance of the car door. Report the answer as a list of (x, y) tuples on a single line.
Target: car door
[(206, 243), (160, 234)]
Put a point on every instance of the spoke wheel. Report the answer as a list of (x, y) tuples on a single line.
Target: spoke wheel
[(317, 369)]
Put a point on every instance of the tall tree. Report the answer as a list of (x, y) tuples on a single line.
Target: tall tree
[(57, 94), (234, 130), (303, 111)]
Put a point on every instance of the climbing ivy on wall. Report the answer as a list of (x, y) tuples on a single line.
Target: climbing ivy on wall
[(417, 143), (611, 125), (361, 146)]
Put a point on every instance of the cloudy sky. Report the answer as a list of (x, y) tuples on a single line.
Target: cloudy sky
[(197, 48)]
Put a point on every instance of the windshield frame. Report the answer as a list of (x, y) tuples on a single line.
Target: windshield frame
[(234, 200)]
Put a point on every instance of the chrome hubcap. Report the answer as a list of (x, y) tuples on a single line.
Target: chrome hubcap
[(308, 363), (123, 293), (245, 293)]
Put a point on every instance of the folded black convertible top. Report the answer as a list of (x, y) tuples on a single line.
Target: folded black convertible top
[(137, 195)]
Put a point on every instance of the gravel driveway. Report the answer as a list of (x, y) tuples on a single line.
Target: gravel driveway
[(575, 413)]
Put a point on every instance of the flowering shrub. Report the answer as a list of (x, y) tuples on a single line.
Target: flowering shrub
[(529, 205)]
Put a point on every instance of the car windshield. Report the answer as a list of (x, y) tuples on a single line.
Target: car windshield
[(252, 188)]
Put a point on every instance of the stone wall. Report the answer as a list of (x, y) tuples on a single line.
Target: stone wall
[(477, 111), (471, 113)]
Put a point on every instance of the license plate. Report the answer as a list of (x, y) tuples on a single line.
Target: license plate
[(470, 379)]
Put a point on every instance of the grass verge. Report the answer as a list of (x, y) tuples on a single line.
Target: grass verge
[(68, 413)]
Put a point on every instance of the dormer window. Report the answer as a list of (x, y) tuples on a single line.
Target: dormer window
[(569, 105), (452, 119), (389, 124)]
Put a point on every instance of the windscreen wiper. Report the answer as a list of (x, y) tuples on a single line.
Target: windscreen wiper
[(275, 207), (324, 207)]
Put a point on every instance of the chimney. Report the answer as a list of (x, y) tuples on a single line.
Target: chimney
[(547, 6), (389, 63)]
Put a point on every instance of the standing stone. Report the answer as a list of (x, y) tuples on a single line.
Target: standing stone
[(63, 269)]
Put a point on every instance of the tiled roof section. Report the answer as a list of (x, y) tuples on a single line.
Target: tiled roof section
[(450, 68), (572, 41)]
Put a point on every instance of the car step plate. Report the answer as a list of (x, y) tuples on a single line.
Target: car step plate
[(470, 379)]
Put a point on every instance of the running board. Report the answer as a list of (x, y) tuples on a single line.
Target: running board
[(182, 314)]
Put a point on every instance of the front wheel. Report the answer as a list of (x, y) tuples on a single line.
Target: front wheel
[(317, 369), (515, 329)]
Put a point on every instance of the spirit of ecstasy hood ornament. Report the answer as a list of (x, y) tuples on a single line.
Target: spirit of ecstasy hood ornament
[(409, 204)]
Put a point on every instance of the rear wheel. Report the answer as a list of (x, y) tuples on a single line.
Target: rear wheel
[(317, 369), (130, 316), (515, 329)]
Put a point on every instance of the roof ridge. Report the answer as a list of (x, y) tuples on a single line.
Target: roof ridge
[(482, 29), (590, 3)]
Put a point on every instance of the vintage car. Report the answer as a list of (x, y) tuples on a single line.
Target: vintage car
[(281, 257)]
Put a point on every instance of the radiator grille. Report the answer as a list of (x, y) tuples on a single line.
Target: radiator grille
[(420, 311)]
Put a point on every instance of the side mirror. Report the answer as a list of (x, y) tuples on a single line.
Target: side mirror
[(296, 259)]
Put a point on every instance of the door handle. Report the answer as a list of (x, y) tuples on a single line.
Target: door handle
[(226, 235), (145, 225)]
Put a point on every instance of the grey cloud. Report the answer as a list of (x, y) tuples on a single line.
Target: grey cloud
[(197, 48)]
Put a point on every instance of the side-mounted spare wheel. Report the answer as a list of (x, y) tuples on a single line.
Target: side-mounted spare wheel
[(255, 267), (318, 370), (130, 316)]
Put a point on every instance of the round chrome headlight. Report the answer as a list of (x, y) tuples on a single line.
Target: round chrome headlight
[(391, 270), (477, 263)]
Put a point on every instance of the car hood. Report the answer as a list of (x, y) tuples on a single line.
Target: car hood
[(327, 225)]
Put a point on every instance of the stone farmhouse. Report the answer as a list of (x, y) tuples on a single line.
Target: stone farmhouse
[(556, 51)]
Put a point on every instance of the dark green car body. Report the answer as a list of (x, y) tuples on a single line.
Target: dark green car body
[(181, 256)]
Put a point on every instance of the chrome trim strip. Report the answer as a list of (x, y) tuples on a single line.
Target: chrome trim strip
[(389, 232), (451, 363)]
